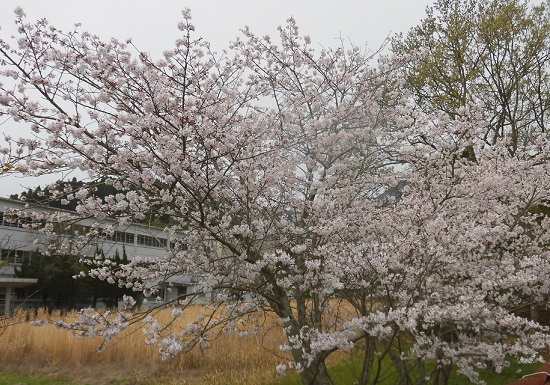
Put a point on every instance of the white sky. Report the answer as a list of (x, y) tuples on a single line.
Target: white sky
[(152, 25)]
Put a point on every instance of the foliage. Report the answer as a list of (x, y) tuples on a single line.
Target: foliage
[(104, 289), (492, 52), (46, 197), (307, 184), (56, 284), (62, 280)]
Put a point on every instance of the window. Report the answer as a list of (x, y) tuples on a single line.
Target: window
[(80, 229), (127, 237), (27, 223), (179, 244), (120, 236), (61, 228), (14, 221), (10, 221), (182, 290), (147, 240), (15, 256)]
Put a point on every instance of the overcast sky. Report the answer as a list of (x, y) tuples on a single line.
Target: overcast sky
[(152, 25)]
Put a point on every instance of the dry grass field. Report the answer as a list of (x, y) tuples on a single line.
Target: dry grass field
[(229, 360), (48, 350)]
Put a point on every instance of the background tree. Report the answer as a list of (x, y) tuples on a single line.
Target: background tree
[(275, 160), (45, 197), (104, 289), (493, 52), (56, 284), (61, 286)]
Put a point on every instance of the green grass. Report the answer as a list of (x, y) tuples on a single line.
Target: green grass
[(513, 373), (343, 373), (347, 372)]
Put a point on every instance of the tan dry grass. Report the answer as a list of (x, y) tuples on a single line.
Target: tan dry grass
[(230, 359)]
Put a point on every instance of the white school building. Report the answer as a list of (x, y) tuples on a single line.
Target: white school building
[(18, 243)]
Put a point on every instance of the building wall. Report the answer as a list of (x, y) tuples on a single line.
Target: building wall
[(136, 239)]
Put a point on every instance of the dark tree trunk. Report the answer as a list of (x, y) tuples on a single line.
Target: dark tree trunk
[(316, 374)]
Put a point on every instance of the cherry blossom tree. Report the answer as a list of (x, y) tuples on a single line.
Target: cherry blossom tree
[(303, 183), (448, 265)]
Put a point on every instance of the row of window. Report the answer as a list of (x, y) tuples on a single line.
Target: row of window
[(16, 256), (122, 237), (10, 222), (147, 240), (114, 236)]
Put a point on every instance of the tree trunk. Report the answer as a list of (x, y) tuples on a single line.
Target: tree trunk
[(368, 361), (421, 372), (316, 374), (446, 374), (401, 369)]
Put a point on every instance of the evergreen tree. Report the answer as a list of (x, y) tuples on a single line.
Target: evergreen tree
[(60, 284)]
